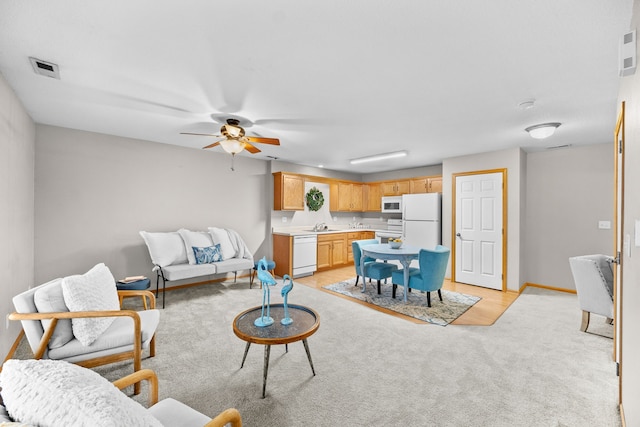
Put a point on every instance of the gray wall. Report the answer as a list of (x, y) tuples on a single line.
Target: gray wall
[(630, 360), (95, 192), (17, 137), (567, 192), (512, 160)]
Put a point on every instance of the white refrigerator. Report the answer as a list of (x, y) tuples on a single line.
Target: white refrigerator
[(421, 220)]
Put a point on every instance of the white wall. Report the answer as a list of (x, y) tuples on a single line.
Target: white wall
[(95, 192), (567, 192), (17, 137), (630, 360), (512, 160)]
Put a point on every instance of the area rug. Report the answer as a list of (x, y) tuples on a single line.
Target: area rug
[(452, 306)]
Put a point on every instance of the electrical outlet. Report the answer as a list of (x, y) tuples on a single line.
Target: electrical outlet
[(284, 219), (7, 322)]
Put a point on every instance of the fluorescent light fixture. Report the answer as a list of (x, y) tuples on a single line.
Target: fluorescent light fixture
[(377, 157), (542, 131)]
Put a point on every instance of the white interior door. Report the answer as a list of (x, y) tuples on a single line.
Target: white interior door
[(479, 229)]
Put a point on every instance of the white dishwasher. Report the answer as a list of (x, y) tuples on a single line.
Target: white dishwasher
[(304, 255)]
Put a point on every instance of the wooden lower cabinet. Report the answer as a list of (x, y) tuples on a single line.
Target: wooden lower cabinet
[(283, 254), (356, 235), (332, 251)]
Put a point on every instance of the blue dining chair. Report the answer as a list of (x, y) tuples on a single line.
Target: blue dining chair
[(429, 276), (373, 269)]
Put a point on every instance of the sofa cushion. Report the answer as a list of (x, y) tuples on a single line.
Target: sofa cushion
[(234, 264), (194, 239), (93, 291), (49, 298), (187, 271), (116, 339), (51, 392), (221, 236), (207, 255), (165, 248)]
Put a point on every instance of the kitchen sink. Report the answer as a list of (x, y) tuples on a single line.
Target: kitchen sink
[(328, 230)]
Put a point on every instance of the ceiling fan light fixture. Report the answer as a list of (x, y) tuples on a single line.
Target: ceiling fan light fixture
[(232, 146), (378, 157), (543, 130)]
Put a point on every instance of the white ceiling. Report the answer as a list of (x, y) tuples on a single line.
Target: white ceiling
[(333, 80)]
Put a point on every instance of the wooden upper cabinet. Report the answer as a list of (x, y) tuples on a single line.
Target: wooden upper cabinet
[(346, 197), (418, 185), (288, 192), (427, 184), (395, 188), (371, 198), (435, 185)]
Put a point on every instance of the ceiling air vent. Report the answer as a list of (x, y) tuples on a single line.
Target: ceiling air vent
[(45, 68)]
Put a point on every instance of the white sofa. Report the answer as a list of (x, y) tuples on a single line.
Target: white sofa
[(186, 254), (55, 393)]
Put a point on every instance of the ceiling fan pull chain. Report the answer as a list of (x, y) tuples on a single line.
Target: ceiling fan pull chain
[(233, 157)]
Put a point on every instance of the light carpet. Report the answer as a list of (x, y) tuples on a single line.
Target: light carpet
[(533, 367), (441, 313)]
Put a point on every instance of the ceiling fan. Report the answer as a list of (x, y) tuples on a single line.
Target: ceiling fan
[(235, 140)]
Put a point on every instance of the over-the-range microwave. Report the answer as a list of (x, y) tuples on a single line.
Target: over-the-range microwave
[(392, 204)]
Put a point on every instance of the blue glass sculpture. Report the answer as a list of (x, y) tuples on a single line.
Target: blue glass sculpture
[(286, 288), (266, 280)]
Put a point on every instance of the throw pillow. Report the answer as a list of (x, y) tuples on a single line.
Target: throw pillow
[(93, 291), (49, 299), (220, 237), (165, 248), (58, 393), (198, 239), (207, 255)]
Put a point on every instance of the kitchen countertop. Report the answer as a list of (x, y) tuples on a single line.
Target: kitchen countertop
[(306, 231)]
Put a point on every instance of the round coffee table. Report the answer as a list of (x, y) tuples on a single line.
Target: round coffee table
[(305, 323)]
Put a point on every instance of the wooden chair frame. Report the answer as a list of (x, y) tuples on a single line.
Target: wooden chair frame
[(135, 354), (230, 415)]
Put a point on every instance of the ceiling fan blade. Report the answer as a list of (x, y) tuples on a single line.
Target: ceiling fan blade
[(200, 134), (211, 145), (250, 148), (261, 140)]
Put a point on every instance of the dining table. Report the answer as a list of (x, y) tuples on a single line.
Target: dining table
[(405, 254)]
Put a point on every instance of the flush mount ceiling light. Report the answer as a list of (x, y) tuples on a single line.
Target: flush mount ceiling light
[(377, 157), (542, 131)]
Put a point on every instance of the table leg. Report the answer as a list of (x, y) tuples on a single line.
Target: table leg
[(306, 348), (406, 263), (246, 350), (364, 278), (267, 351)]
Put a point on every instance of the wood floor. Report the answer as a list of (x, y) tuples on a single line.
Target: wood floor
[(485, 312)]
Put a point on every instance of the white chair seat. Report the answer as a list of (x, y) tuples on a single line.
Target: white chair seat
[(117, 338), (172, 413)]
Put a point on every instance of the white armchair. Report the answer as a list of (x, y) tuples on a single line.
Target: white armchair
[(593, 276), (50, 313), (57, 393)]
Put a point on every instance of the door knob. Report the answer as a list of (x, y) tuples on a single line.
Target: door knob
[(458, 235)]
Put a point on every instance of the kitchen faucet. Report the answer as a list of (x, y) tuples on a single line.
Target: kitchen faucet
[(319, 226)]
